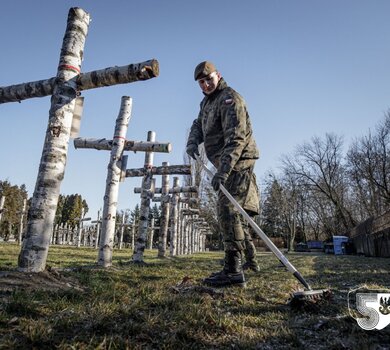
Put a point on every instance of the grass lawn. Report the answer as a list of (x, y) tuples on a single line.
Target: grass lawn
[(151, 307)]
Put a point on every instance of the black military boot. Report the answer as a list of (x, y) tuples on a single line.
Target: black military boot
[(232, 273)]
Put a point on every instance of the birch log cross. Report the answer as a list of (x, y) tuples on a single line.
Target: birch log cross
[(173, 220), (98, 223), (122, 227), (185, 203), (147, 184), (165, 170), (116, 172), (64, 88), (194, 228)]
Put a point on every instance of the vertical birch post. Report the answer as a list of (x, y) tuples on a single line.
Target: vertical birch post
[(2, 201), (162, 243), (122, 230), (21, 226), (145, 204), (97, 236), (151, 234), (33, 255), (80, 228), (183, 228), (60, 237), (112, 184), (133, 236), (174, 217)]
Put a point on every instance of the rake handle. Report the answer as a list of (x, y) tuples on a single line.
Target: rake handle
[(258, 230)]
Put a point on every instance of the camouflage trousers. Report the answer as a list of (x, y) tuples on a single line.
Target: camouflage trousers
[(241, 184)]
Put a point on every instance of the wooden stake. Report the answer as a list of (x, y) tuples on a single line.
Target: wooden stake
[(162, 243), (35, 246), (145, 204), (112, 184)]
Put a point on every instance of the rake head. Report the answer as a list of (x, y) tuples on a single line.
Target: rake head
[(309, 300)]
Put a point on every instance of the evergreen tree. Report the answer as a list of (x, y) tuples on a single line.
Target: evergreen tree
[(13, 205), (272, 221)]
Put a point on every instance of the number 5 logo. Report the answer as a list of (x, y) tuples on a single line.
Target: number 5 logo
[(372, 306), (364, 304)]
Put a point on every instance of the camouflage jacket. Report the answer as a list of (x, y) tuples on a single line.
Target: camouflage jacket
[(224, 126)]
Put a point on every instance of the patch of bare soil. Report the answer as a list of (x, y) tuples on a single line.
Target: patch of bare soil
[(48, 280)]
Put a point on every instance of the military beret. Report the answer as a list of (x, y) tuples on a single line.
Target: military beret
[(203, 69)]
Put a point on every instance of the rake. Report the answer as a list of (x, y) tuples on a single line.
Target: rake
[(297, 297)]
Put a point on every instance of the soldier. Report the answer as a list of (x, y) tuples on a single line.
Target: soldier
[(223, 125)]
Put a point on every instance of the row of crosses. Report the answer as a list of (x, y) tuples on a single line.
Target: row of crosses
[(64, 117)]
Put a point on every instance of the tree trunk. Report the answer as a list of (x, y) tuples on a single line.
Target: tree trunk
[(112, 184), (33, 255)]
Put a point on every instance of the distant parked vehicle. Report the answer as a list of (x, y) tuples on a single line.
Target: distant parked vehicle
[(302, 247)]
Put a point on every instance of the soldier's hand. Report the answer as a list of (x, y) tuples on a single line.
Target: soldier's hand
[(218, 180), (191, 150)]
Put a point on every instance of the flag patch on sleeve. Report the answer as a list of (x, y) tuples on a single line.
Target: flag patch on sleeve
[(228, 101)]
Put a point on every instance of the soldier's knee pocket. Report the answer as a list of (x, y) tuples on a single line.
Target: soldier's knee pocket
[(239, 233)]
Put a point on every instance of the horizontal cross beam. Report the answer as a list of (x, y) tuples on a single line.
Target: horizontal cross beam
[(190, 211), (136, 146), (185, 189), (84, 81), (160, 170)]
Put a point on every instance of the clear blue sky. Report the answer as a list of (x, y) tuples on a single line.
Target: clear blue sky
[(304, 67)]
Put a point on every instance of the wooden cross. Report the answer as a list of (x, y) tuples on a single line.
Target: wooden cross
[(174, 200), (193, 228), (116, 173), (98, 223), (122, 227), (81, 220), (165, 170), (64, 88), (147, 184)]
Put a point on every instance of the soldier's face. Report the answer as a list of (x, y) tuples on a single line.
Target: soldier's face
[(209, 84)]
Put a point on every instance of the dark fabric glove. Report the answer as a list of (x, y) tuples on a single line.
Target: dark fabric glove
[(218, 179), (192, 149)]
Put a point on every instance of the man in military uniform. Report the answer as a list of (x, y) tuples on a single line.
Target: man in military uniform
[(223, 125)]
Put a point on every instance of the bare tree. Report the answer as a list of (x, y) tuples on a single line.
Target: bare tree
[(368, 162), (318, 166)]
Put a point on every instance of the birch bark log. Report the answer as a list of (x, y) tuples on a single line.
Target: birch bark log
[(35, 246), (2, 201), (138, 255), (83, 81), (174, 217), (162, 246), (21, 221), (112, 184)]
